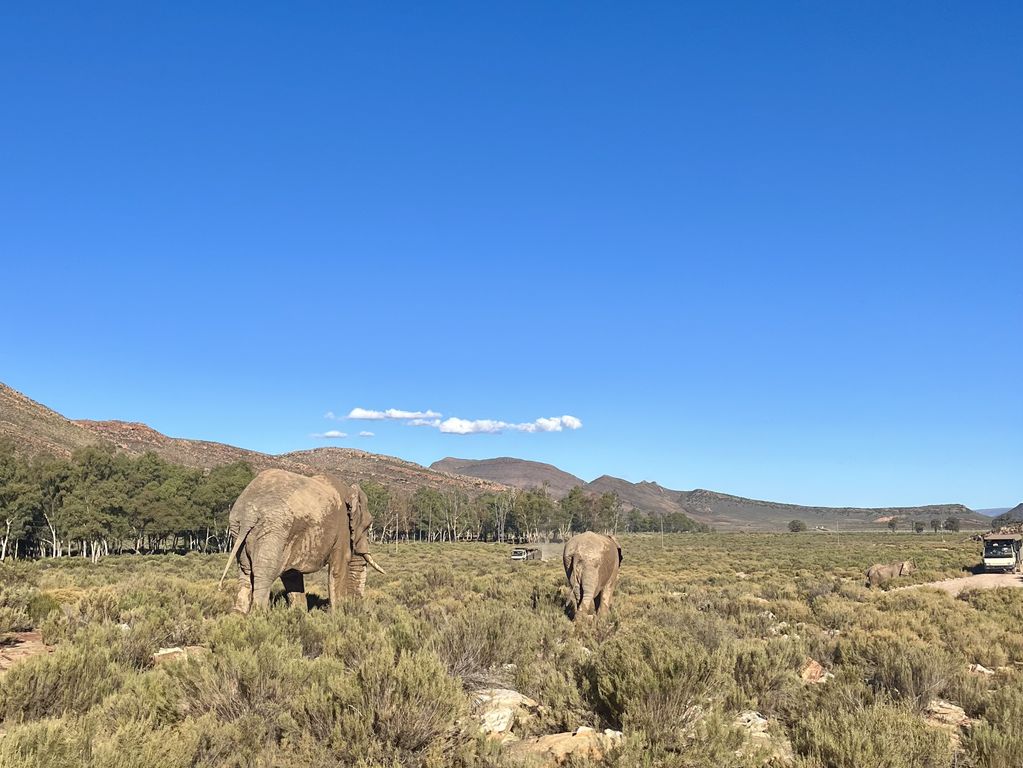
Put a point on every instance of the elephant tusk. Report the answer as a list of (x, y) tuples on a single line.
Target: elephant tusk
[(373, 563)]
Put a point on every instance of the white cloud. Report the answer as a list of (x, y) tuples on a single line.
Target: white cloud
[(456, 426), (331, 434), (394, 413), (424, 423), (329, 415), (366, 414)]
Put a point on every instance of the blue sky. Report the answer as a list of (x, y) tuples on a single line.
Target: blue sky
[(773, 249)]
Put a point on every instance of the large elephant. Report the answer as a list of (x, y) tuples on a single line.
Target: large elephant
[(286, 525), (879, 573), (592, 562)]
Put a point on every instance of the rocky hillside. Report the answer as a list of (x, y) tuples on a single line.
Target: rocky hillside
[(518, 473), (34, 428), (1014, 515)]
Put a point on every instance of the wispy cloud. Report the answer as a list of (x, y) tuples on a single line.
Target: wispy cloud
[(454, 425), (365, 414), (330, 434)]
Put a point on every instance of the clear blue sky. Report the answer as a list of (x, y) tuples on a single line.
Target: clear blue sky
[(773, 249)]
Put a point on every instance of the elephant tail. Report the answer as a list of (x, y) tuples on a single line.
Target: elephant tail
[(234, 554)]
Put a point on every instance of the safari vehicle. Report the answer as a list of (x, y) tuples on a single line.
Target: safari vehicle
[(525, 553), (1002, 552)]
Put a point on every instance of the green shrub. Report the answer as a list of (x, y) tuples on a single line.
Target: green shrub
[(70, 680), (880, 735)]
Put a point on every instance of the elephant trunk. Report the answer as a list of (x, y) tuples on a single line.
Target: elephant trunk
[(355, 577)]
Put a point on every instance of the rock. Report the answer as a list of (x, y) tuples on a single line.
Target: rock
[(778, 749), (979, 669), (556, 748), (946, 714), (501, 709), (813, 672), (950, 717), (164, 655)]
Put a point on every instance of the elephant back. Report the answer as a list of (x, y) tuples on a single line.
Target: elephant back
[(285, 497)]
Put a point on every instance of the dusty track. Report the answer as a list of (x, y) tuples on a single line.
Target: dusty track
[(979, 581), (19, 645)]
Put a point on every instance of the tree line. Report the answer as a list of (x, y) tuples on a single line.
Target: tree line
[(100, 501), (519, 516)]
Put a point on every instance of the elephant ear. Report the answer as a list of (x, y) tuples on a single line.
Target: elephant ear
[(619, 547), (359, 519)]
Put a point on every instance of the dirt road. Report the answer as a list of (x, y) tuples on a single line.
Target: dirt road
[(979, 581)]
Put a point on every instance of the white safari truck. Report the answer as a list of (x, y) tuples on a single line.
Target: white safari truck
[(1002, 552)]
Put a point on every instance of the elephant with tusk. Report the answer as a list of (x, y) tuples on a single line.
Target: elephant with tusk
[(286, 525), (592, 561)]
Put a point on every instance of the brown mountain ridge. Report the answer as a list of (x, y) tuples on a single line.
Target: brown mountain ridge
[(721, 510), (36, 429)]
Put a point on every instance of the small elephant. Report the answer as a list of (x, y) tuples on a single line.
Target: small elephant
[(879, 573), (592, 562), (287, 525)]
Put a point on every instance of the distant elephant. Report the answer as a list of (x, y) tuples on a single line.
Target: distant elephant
[(878, 574), (287, 525), (592, 562)]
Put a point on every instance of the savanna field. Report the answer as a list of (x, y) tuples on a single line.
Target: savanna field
[(705, 629)]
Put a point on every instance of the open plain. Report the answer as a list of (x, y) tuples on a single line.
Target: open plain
[(721, 650)]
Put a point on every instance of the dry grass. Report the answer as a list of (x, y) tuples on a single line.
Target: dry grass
[(704, 626)]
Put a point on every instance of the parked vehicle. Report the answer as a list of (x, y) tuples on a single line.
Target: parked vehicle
[(526, 553), (1002, 552)]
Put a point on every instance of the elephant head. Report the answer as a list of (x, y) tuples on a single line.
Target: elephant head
[(359, 523), (906, 568)]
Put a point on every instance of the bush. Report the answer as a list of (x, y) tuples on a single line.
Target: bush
[(883, 735)]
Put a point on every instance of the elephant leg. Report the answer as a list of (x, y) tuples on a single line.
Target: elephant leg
[(606, 594), (294, 587), (338, 576), (265, 571), (243, 603)]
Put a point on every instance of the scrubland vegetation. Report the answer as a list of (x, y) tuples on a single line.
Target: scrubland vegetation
[(704, 627)]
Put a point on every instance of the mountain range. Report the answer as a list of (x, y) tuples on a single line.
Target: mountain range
[(35, 429), (721, 510)]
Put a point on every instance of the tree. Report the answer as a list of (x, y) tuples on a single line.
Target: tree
[(952, 524), (918, 527), (893, 524), (797, 526), (935, 524)]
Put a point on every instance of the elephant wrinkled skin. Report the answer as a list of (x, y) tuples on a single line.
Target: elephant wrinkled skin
[(879, 573), (592, 562), (286, 525)]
